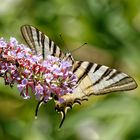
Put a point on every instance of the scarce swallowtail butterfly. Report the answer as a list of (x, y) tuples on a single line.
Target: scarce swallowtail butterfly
[(93, 79)]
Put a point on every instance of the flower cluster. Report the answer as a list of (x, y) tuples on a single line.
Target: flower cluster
[(46, 78)]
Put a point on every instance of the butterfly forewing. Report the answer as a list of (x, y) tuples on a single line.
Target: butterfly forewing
[(39, 42)]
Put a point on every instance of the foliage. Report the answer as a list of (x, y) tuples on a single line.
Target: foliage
[(112, 30)]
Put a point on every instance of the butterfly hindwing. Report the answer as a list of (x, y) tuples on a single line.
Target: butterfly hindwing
[(95, 79), (103, 79)]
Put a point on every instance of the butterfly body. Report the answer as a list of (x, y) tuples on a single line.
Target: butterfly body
[(93, 79)]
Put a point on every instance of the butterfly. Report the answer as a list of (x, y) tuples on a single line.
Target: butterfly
[(93, 78)]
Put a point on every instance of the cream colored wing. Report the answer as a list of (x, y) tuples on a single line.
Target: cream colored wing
[(94, 79)]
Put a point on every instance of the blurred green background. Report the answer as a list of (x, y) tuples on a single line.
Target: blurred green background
[(112, 30)]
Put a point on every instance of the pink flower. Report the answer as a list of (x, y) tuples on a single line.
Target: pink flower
[(47, 78), (3, 43)]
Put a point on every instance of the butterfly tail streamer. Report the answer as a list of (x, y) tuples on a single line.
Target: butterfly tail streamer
[(38, 106), (63, 116)]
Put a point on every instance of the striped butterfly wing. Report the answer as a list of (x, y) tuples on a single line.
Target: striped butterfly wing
[(40, 43), (94, 79), (102, 79)]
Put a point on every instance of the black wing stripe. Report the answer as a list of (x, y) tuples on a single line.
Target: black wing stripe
[(114, 75), (50, 44), (77, 66), (88, 68), (38, 37), (25, 35), (30, 35), (106, 73), (29, 31), (97, 68), (72, 60), (60, 53), (54, 49), (43, 45)]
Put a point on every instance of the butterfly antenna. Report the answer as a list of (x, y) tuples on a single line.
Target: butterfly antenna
[(38, 106), (63, 42), (78, 48), (63, 118)]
